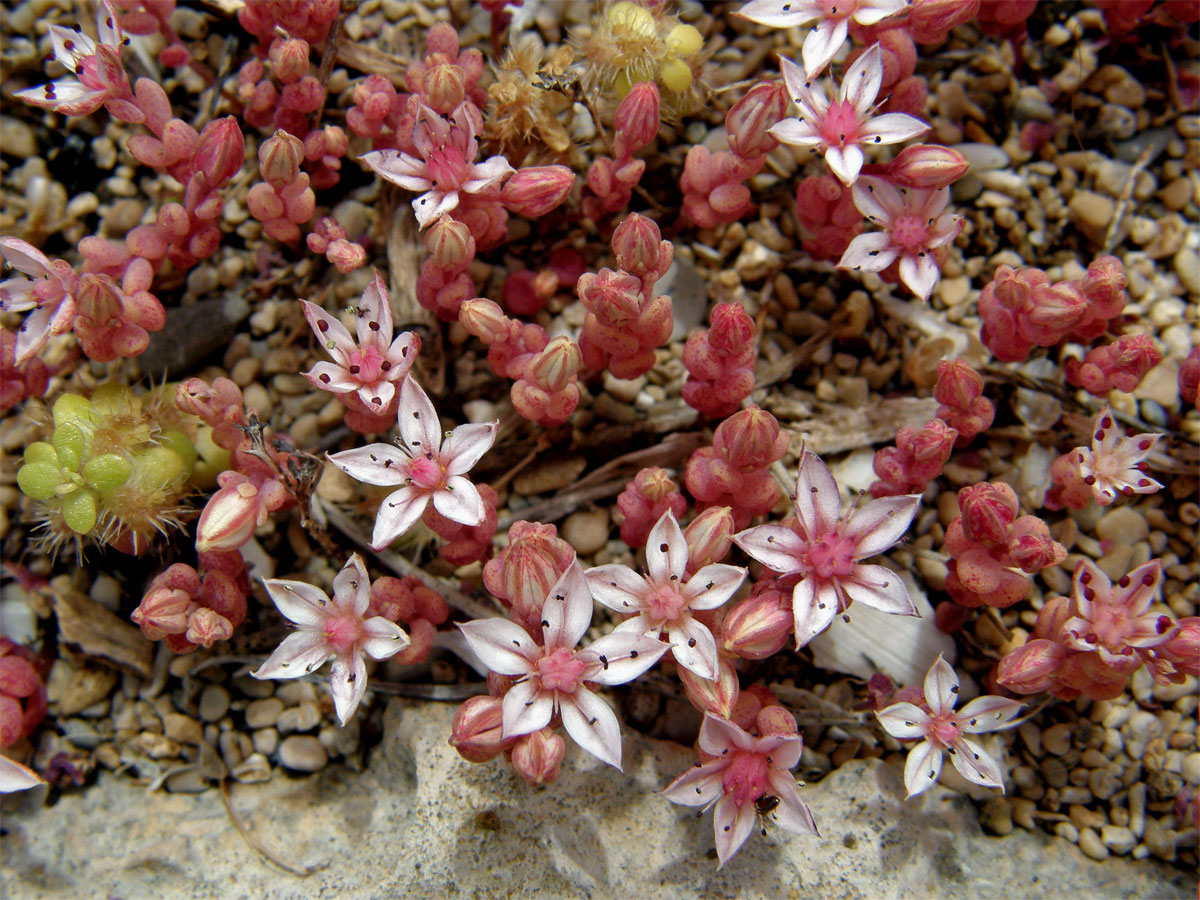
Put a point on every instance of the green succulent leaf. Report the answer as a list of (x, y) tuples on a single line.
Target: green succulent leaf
[(107, 472), (41, 452), (39, 480), (79, 511)]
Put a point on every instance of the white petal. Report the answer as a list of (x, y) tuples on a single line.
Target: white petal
[(375, 310), (777, 14), (881, 523), (380, 464), (70, 46), (904, 720), (384, 638), (1144, 584), (891, 128), (333, 378), (486, 174), (300, 653), (922, 767), (989, 713), (796, 132), (713, 585), (347, 683), (418, 420), (845, 163), (792, 814), (919, 273), (694, 647), (870, 12), (503, 646), (401, 354), (666, 550), (526, 709), (974, 764), (331, 333), (622, 656), (878, 200), (16, 777), (732, 824), (108, 28), (818, 504), (785, 749), (592, 725), (617, 587), (24, 257), (814, 606), (698, 786), (719, 735), (433, 204), (822, 44), (466, 446), (860, 84), (941, 687), (795, 79), (34, 332), (376, 396), (779, 549), (16, 294), (298, 601), (352, 586), (398, 168), (460, 502), (397, 514), (567, 612), (871, 252), (880, 588)]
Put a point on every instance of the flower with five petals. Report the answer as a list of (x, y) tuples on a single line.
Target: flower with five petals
[(332, 629), (663, 599), (822, 43), (824, 550), (942, 729), (553, 676), (840, 128), (425, 466), (49, 293), (1114, 463), (372, 366)]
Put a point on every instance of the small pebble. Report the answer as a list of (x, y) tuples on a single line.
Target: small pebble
[(214, 703), (996, 816), (188, 781), (1090, 843), (182, 728), (1137, 809), (1191, 769), (1117, 839), (304, 717), (303, 753), (1068, 831), (586, 530), (1057, 738), (1022, 812), (266, 740), (1141, 728), (253, 769), (1159, 839), (264, 713)]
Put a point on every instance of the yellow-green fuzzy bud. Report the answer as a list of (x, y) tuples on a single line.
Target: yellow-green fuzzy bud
[(79, 511), (157, 467), (685, 40), (39, 480), (70, 445), (106, 473), (631, 20), (676, 75), (179, 444), (73, 409)]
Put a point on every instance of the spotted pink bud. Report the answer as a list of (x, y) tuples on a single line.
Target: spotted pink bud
[(450, 244), (636, 120), (538, 756), (1032, 667), (718, 696), (926, 167), (206, 627), (476, 730), (1031, 546), (987, 511), (640, 249), (220, 151), (748, 120), (709, 537), (758, 626), (536, 190)]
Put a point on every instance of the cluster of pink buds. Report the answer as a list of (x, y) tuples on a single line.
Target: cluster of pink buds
[(959, 390), (712, 183), (330, 238), (22, 693), (546, 371), (418, 607), (283, 200), (287, 108), (1092, 642), (644, 501), (147, 17), (828, 218), (463, 544), (759, 626), (1006, 20), (1114, 465), (919, 456), (1022, 308), (526, 291), (720, 362), (1119, 366), (218, 405), (735, 470), (625, 321), (611, 180), (521, 575), (993, 551), (309, 21), (187, 610)]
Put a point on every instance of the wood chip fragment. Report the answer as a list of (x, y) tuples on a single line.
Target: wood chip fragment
[(97, 633)]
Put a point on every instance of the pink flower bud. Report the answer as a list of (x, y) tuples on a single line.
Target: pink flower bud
[(750, 439), (929, 21), (718, 696), (279, 159), (1031, 547), (420, 643), (1030, 668), (987, 511), (614, 298), (748, 120), (555, 366), (640, 249), (289, 59), (522, 573), (1184, 648), (206, 627), (475, 731), (926, 167), (535, 190), (444, 87), (1104, 285), (759, 626), (636, 120), (1056, 309), (709, 537), (450, 244), (774, 719), (164, 611), (220, 151), (346, 256), (231, 515), (537, 756), (304, 96), (484, 319)]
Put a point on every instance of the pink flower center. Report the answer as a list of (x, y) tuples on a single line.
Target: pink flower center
[(426, 474), (832, 556), (944, 730), (664, 603), (366, 364), (841, 124), (745, 777), (341, 633), (560, 671), (446, 168), (910, 232)]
